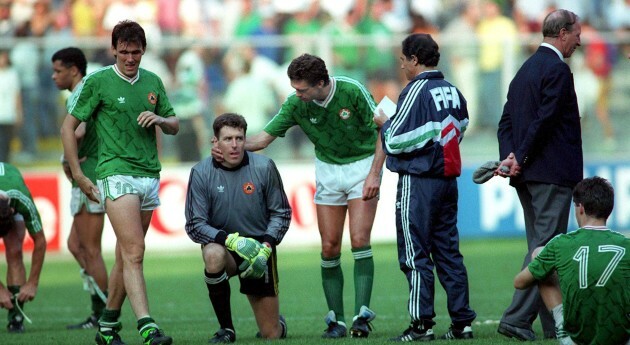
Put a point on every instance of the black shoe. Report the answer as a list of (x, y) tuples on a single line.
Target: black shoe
[(361, 325), (16, 325), (336, 329), (223, 336), (415, 332), (510, 331), (108, 338), (155, 336), (91, 322), (454, 333)]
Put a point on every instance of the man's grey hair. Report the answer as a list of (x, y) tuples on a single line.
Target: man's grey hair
[(557, 20)]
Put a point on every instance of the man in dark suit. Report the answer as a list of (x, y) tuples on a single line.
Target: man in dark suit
[(541, 147)]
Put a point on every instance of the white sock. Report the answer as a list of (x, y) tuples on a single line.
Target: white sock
[(558, 316)]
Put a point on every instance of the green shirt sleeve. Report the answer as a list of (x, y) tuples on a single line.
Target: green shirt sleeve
[(545, 263), (283, 120)]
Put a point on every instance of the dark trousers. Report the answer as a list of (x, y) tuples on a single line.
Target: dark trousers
[(426, 224), (546, 209)]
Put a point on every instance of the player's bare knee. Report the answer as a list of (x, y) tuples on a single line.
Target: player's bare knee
[(214, 257), (93, 253), (359, 241), (330, 251)]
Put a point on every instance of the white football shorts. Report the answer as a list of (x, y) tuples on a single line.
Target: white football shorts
[(78, 200), (146, 188), (338, 183)]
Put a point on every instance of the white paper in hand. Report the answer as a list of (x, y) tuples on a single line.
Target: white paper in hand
[(387, 106)]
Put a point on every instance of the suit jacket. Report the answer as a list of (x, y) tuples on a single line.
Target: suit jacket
[(541, 122)]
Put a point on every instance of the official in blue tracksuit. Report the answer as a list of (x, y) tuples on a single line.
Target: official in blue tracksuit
[(422, 144)]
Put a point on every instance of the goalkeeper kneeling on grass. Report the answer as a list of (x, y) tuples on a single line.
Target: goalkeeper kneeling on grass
[(236, 208)]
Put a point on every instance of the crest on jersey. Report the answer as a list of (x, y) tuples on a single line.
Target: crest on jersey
[(152, 98), (344, 113), (249, 188)]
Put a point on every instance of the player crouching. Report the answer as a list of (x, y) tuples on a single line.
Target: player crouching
[(241, 192)]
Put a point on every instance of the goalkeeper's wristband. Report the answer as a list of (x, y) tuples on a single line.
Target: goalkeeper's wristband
[(221, 237), (271, 240)]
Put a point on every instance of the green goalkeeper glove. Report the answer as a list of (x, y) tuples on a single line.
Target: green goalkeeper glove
[(259, 265), (245, 247)]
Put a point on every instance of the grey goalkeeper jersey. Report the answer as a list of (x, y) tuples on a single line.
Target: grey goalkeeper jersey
[(248, 199)]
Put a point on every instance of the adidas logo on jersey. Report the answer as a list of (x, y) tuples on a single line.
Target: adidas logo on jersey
[(313, 120), (121, 100), (220, 189)]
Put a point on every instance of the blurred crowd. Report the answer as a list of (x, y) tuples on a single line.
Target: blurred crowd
[(231, 55)]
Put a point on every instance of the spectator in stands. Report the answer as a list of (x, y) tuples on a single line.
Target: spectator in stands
[(379, 58), (498, 41), (189, 100), (26, 59), (301, 28), (7, 25), (600, 57), (10, 106), (462, 53), (86, 16)]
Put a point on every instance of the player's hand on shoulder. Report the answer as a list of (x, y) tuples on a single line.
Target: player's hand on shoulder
[(216, 152)]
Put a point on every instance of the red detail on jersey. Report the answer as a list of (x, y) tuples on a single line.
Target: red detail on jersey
[(152, 98), (345, 113), (452, 157), (249, 188)]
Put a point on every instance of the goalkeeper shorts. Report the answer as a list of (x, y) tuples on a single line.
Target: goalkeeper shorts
[(265, 286)]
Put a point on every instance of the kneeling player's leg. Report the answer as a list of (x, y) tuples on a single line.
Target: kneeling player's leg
[(219, 266), (267, 314), (262, 294)]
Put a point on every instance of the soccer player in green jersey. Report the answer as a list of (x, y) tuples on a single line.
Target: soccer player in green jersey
[(336, 115), (126, 103), (84, 242), (17, 213), (589, 296)]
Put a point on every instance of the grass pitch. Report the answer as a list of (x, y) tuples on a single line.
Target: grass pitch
[(179, 299)]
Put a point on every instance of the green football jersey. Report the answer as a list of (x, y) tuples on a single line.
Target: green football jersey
[(12, 182), (89, 145), (114, 103), (340, 127), (593, 267)]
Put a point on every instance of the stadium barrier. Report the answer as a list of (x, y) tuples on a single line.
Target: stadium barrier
[(488, 210)]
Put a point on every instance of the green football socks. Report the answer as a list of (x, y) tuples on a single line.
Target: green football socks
[(363, 277), (97, 304), (109, 321), (13, 312), (332, 281)]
